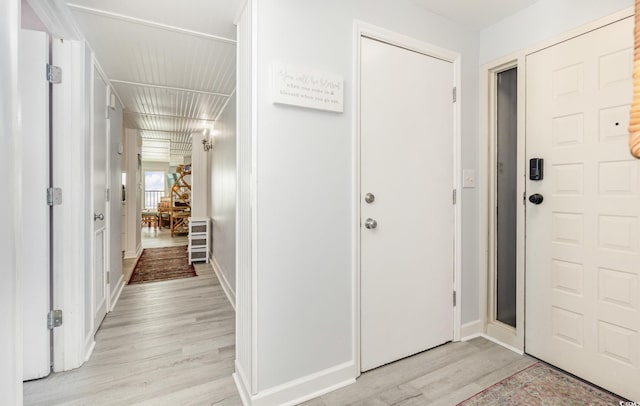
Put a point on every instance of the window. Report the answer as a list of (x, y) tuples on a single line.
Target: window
[(153, 188)]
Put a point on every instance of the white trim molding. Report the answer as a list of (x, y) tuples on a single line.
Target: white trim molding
[(299, 390), (471, 330), (116, 292), (226, 286), (488, 203), (362, 29), (11, 335)]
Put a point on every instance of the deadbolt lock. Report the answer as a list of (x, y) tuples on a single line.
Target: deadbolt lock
[(369, 198)]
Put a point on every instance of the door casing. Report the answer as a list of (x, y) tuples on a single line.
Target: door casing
[(107, 229), (512, 337), (362, 29)]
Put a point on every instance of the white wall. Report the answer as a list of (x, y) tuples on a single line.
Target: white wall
[(30, 21), (10, 334), (134, 193), (199, 177), (222, 199), (304, 182), (543, 20)]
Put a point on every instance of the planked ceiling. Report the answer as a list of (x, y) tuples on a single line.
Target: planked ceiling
[(172, 63)]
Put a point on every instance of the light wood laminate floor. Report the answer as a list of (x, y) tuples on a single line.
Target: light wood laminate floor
[(166, 343), (444, 376), (156, 238), (172, 343)]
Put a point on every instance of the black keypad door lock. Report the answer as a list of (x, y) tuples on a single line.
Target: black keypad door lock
[(536, 198), (536, 169)]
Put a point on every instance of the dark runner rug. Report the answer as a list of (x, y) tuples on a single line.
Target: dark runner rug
[(541, 384), (162, 264)]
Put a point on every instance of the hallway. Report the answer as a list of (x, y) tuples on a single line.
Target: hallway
[(166, 343)]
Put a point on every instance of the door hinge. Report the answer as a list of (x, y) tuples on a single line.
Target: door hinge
[(107, 194), (54, 74), (455, 94), (455, 196), (54, 319), (524, 198), (54, 196), (108, 275), (455, 302)]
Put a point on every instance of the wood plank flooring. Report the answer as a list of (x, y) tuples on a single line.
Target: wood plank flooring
[(445, 376), (172, 343), (166, 343)]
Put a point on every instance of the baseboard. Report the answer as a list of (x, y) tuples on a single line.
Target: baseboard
[(88, 348), (115, 295), (471, 330), (242, 385), (228, 290), (139, 250), (303, 389)]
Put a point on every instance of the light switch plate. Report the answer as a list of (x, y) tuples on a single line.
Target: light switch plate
[(468, 178)]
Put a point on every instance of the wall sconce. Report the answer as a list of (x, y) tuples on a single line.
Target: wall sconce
[(207, 142)]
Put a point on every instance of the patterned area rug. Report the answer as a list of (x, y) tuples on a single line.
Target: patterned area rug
[(541, 384), (162, 264)]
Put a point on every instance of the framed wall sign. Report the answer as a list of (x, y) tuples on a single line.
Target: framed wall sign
[(302, 87)]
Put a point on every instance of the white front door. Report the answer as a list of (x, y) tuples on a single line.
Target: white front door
[(406, 187), (34, 258), (100, 220), (583, 239)]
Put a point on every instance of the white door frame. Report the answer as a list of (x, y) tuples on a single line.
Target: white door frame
[(505, 334), (490, 329), (371, 31), (107, 206)]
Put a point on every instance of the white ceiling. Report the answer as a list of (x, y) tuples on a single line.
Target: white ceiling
[(172, 63), (475, 14)]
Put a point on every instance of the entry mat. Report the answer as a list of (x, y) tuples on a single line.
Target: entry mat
[(540, 385), (162, 264)]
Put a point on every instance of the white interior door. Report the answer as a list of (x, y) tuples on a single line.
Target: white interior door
[(34, 257), (407, 164), (100, 129), (583, 240)]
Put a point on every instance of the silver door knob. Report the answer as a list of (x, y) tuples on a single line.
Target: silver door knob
[(369, 198), (97, 217), (370, 224)]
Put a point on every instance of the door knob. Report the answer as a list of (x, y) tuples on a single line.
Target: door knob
[(370, 223), (97, 217), (369, 198), (536, 198)]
